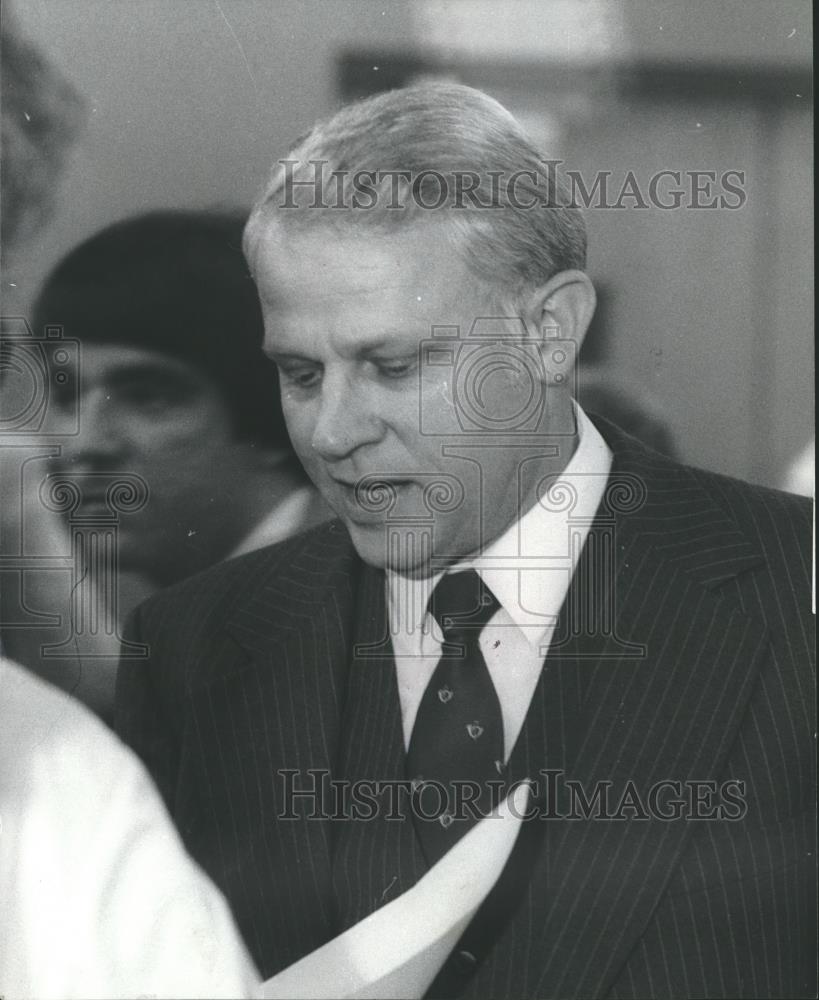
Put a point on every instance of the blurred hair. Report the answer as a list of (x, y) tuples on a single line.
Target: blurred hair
[(41, 114), (175, 282), (433, 133)]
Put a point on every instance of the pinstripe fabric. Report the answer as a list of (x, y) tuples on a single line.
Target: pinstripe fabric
[(249, 674), (244, 682)]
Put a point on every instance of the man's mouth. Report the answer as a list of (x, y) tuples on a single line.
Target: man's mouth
[(371, 498)]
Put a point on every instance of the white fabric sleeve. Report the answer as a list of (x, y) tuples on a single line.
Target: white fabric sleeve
[(99, 897)]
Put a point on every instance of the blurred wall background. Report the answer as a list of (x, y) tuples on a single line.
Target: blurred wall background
[(706, 315)]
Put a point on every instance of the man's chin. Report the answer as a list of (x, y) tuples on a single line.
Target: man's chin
[(406, 550)]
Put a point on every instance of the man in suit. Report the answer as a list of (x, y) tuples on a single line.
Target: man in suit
[(82, 829), (171, 388), (172, 402), (512, 591)]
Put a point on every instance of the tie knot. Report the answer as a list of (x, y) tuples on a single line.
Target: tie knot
[(462, 604)]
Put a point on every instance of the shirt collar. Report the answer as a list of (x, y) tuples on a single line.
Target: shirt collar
[(529, 567)]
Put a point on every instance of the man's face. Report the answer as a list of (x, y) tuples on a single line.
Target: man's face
[(148, 414), (347, 319)]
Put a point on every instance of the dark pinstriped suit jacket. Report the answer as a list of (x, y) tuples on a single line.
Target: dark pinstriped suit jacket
[(251, 674)]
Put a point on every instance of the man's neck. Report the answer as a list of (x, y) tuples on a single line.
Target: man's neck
[(539, 468)]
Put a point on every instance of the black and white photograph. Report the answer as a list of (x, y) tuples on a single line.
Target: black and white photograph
[(407, 578)]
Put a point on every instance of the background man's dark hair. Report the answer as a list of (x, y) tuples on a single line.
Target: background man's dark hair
[(175, 282)]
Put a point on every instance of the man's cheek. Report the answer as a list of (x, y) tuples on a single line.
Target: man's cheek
[(314, 467), (300, 427), (307, 454)]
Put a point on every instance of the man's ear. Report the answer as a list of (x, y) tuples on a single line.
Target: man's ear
[(562, 309)]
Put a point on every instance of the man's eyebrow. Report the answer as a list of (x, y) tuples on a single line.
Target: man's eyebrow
[(144, 371), (273, 354), (390, 338), (405, 339)]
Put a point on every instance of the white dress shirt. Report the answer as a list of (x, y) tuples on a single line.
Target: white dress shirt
[(528, 569)]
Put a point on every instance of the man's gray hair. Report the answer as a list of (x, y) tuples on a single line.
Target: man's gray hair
[(432, 152)]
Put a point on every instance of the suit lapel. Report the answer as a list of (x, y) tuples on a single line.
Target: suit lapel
[(264, 724), (660, 671), (296, 630)]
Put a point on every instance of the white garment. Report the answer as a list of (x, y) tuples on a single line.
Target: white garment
[(287, 518), (800, 477), (528, 569), (99, 898)]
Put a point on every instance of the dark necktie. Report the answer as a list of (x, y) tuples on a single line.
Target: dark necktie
[(457, 740)]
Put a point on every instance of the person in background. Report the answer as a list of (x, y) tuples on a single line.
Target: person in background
[(99, 898), (173, 387), (800, 477), (170, 392), (42, 114), (626, 407)]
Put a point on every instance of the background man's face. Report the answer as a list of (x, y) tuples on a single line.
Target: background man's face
[(155, 416), (346, 319)]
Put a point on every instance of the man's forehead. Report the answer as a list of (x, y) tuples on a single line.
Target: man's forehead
[(398, 283), (284, 255), (279, 248)]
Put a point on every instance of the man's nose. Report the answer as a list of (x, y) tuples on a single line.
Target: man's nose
[(100, 440), (346, 420)]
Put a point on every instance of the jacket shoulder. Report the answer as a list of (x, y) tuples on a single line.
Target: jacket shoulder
[(762, 512), (779, 527), (311, 559)]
